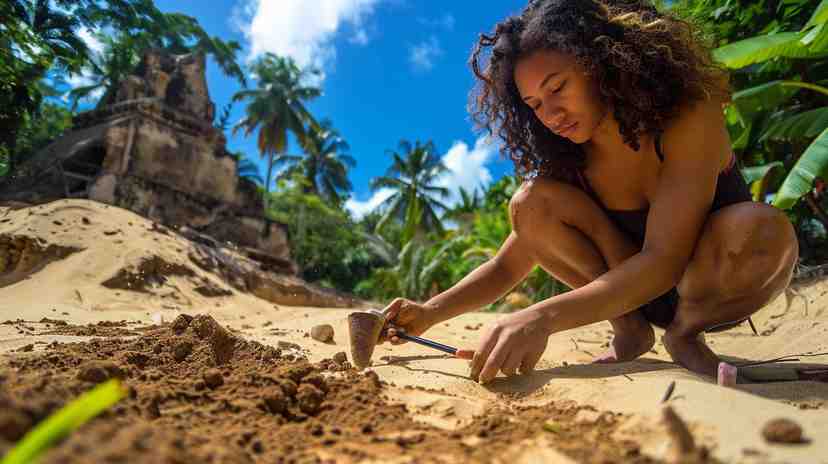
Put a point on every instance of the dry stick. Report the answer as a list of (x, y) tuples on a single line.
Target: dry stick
[(669, 392), (753, 327), (681, 439), (575, 343), (628, 377), (786, 358), (79, 295)]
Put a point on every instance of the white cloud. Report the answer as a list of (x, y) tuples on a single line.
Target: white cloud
[(422, 55), (466, 168), (361, 208), (300, 29)]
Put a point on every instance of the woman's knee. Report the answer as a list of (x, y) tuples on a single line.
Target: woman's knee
[(541, 200), (745, 247)]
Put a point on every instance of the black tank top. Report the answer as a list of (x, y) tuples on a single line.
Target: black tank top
[(731, 188)]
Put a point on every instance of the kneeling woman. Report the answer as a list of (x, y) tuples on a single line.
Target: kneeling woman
[(612, 114)]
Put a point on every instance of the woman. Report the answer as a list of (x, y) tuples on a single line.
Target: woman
[(612, 114)]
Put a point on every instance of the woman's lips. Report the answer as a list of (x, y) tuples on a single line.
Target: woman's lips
[(567, 129)]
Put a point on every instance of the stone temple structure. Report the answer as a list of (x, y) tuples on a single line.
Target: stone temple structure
[(154, 150)]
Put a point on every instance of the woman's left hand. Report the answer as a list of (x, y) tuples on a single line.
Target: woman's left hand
[(517, 341)]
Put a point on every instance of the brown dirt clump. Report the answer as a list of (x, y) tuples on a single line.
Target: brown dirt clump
[(235, 401)]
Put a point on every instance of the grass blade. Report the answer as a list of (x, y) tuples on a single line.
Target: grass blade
[(64, 421)]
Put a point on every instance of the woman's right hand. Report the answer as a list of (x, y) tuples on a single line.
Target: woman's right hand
[(413, 318)]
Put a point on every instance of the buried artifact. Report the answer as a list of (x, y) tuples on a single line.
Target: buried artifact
[(365, 328)]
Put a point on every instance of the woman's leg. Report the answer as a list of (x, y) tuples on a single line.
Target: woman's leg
[(744, 258), (574, 240)]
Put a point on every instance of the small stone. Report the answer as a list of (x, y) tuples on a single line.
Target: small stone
[(309, 398), (275, 400), (182, 350), (100, 371), (782, 431), (340, 358), (322, 333), (213, 379)]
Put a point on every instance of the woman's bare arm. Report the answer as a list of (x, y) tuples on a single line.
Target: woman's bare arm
[(484, 285)]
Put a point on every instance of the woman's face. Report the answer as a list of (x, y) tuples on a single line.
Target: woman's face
[(563, 98)]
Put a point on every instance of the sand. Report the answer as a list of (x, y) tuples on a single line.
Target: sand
[(596, 412)]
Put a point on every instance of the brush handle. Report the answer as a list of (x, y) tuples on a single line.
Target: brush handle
[(425, 342)]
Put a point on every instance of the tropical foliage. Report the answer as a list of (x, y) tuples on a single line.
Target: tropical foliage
[(276, 108), (778, 118), (412, 178)]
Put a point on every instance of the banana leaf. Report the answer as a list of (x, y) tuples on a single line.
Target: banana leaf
[(812, 164), (805, 125), (765, 47)]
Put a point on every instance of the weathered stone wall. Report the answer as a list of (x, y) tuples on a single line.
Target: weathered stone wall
[(161, 158)]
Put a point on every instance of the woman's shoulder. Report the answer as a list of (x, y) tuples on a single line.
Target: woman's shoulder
[(696, 125)]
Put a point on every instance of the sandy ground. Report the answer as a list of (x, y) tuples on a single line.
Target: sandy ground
[(727, 420)]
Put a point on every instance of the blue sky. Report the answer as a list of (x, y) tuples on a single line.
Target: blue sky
[(393, 69)]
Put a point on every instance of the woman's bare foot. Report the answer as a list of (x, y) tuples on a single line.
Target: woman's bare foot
[(628, 344), (691, 352)]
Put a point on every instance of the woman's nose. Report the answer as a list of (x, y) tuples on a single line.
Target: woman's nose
[(553, 116)]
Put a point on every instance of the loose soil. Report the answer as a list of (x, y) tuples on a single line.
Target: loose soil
[(200, 393)]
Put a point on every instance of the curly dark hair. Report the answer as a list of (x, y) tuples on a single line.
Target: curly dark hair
[(646, 63)]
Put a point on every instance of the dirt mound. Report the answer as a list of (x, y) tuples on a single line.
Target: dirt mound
[(21, 256), (199, 393), (92, 253)]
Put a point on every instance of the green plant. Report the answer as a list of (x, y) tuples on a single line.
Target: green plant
[(64, 421)]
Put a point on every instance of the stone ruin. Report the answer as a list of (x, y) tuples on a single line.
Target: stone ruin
[(154, 150)]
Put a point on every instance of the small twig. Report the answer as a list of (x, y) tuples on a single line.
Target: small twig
[(595, 342), (753, 327), (79, 295), (576, 344), (786, 358), (669, 392), (628, 377)]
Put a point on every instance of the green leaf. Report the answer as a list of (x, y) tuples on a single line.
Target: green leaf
[(805, 125), (754, 173), (64, 421), (761, 98), (811, 164), (819, 17), (762, 48)]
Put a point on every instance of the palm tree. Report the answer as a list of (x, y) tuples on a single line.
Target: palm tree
[(412, 177), (174, 33), (45, 38), (463, 212), (119, 58), (324, 165), (277, 106), (247, 169)]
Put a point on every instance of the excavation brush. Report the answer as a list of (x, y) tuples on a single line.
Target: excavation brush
[(365, 329)]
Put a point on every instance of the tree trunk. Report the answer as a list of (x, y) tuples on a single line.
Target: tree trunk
[(266, 199)]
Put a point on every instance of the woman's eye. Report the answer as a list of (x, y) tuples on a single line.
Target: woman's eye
[(559, 88)]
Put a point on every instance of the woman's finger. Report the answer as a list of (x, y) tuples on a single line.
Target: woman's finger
[(393, 309), (512, 362), (494, 361), (530, 360), (482, 353)]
